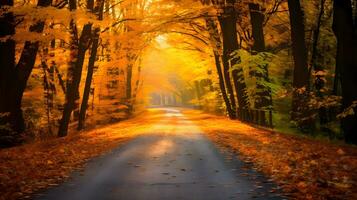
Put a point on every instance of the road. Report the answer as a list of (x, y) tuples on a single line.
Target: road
[(173, 161)]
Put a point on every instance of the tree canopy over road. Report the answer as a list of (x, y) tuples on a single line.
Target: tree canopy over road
[(288, 67)]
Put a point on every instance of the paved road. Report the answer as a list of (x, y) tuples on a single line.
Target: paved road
[(174, 161)]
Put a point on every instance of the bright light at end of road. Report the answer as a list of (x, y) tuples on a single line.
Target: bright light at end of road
[(161, 40)]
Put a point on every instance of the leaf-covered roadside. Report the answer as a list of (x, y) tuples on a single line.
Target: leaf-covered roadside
[(304, 168), (34, 167)]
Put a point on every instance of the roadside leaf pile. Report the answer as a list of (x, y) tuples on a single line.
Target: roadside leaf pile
[(304, 168)]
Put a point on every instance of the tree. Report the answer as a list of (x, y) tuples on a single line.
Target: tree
[(300, 111), (10, 111), (216, 46), (90, 71), (14, 76), (345, 31), (263, 98), (319, 71), (228, 22), (78, 51)]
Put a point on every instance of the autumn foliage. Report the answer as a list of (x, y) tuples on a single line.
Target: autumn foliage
[(288, 66)]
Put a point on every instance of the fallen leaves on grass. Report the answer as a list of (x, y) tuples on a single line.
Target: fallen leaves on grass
[(34, 167), (304, 168)]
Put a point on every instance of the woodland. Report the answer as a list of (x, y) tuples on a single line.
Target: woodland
[(264, 62), (71, 66)]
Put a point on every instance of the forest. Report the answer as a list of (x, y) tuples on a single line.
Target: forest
[(272, 82)]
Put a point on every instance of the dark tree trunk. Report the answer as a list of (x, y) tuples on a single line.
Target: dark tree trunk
[(137, 85), (231, 112), (263, 100), (337, 78), (76, 109), (72, 4), (319, 81), (257, 19), (345, 31), (216, 40), (10, 110), (59, 77), (230, 44), (73, 84), (91, 63), (227, 77), (87, 87), (29, 52), (129, 75), (28, 55), (300, 112), (14, 78)]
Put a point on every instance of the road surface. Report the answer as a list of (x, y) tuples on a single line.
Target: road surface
[(173, 161)]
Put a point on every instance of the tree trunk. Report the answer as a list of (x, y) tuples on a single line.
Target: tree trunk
[(29, 52), (231, 112), (256, 20), (14, 78), (59, 77), (230, 44), (137, 85), (263, 100), (129, 75), (76, 109), (345, 31), (73, 84), (91, 63), (227, 78), (319, 81), (87, 87), (300, 111), (216, 45), (10, 110)]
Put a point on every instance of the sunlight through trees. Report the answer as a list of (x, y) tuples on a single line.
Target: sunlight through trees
[(71, 64)]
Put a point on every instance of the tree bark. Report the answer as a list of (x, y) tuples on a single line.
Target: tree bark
[(230, 44), (230, 111), (28, 55), (216, 45), (95, 42), (256, 20), (345, 32), (226, 74), (300, 112), (91, 62), (14, 77), (129, 74), (319, 81), (263, 100), (10, 110), (87, 87), (81, 48)]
